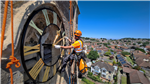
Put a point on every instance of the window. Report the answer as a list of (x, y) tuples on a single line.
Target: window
[(104, 76), (109, 72), (96, 68), (104, 71), (126, 66), (109, 77)]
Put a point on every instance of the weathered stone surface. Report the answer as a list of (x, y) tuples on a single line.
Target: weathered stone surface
[(4, 76), (18, 77)]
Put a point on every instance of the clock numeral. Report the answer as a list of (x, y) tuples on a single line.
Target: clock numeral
[(46, 17), (45, 77), (35, 27), (54, 18), (54, 69), (28, 48), (36, 69)]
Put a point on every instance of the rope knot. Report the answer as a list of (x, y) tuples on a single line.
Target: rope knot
[(13, 60)]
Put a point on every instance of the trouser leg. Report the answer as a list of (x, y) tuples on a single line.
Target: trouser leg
[(65, 60)]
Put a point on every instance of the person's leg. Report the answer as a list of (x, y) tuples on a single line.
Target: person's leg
[(65, 60), (71, 59)]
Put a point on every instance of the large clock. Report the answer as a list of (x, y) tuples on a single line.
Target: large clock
[(37, 52)]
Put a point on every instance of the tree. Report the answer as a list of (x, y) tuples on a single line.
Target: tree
[(125, 53), (139, 42), (111, 50), (93, 55), (137, 67), (145, 43), (90, 73), (108, 43), (107, 53), (133, 47), (98, 43), (86, 38), (114, 62), (140, 49), (134, 44), (105, 44), (118, 63)]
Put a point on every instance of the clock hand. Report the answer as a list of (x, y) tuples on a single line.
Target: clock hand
[(44, 37)]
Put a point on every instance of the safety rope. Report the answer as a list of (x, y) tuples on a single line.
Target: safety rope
[(3, 27), (12, 58)]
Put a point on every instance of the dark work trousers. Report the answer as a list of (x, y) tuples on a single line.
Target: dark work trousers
[(71, 57)]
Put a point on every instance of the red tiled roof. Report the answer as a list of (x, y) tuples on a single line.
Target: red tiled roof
[(92, 46), (147, 47), (138, 77), (139, 60), (124, 47), (137, 51), (142, 63), (128, 70), (141, 55), (148, 55)]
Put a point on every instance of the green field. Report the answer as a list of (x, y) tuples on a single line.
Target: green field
[(129, 60), (123, 80), (86, 81)]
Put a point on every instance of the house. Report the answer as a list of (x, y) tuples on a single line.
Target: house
[(127, 50), (112, 46), (115, 67), (88, 62), (118, 50), (123, 47), (123, 61), (107, 71), (135, 76), (142, 60), (88, 51), (137, 51), (99, 51)]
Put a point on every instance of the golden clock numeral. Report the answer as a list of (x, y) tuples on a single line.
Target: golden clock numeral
[(35, 27), (54, 69), (54, 18), (36, 69), (46, 17), (45, 77), (28, 48)]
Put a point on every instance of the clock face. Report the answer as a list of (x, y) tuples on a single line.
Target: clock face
[(39, 58)]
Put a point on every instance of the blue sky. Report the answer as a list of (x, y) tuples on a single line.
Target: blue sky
[(114, 19)]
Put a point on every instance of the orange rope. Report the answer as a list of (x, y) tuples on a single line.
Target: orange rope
[(17, 65), (3, 27), (12, 58), (12, 39)]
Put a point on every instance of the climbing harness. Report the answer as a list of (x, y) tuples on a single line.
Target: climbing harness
[(12, 58)]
